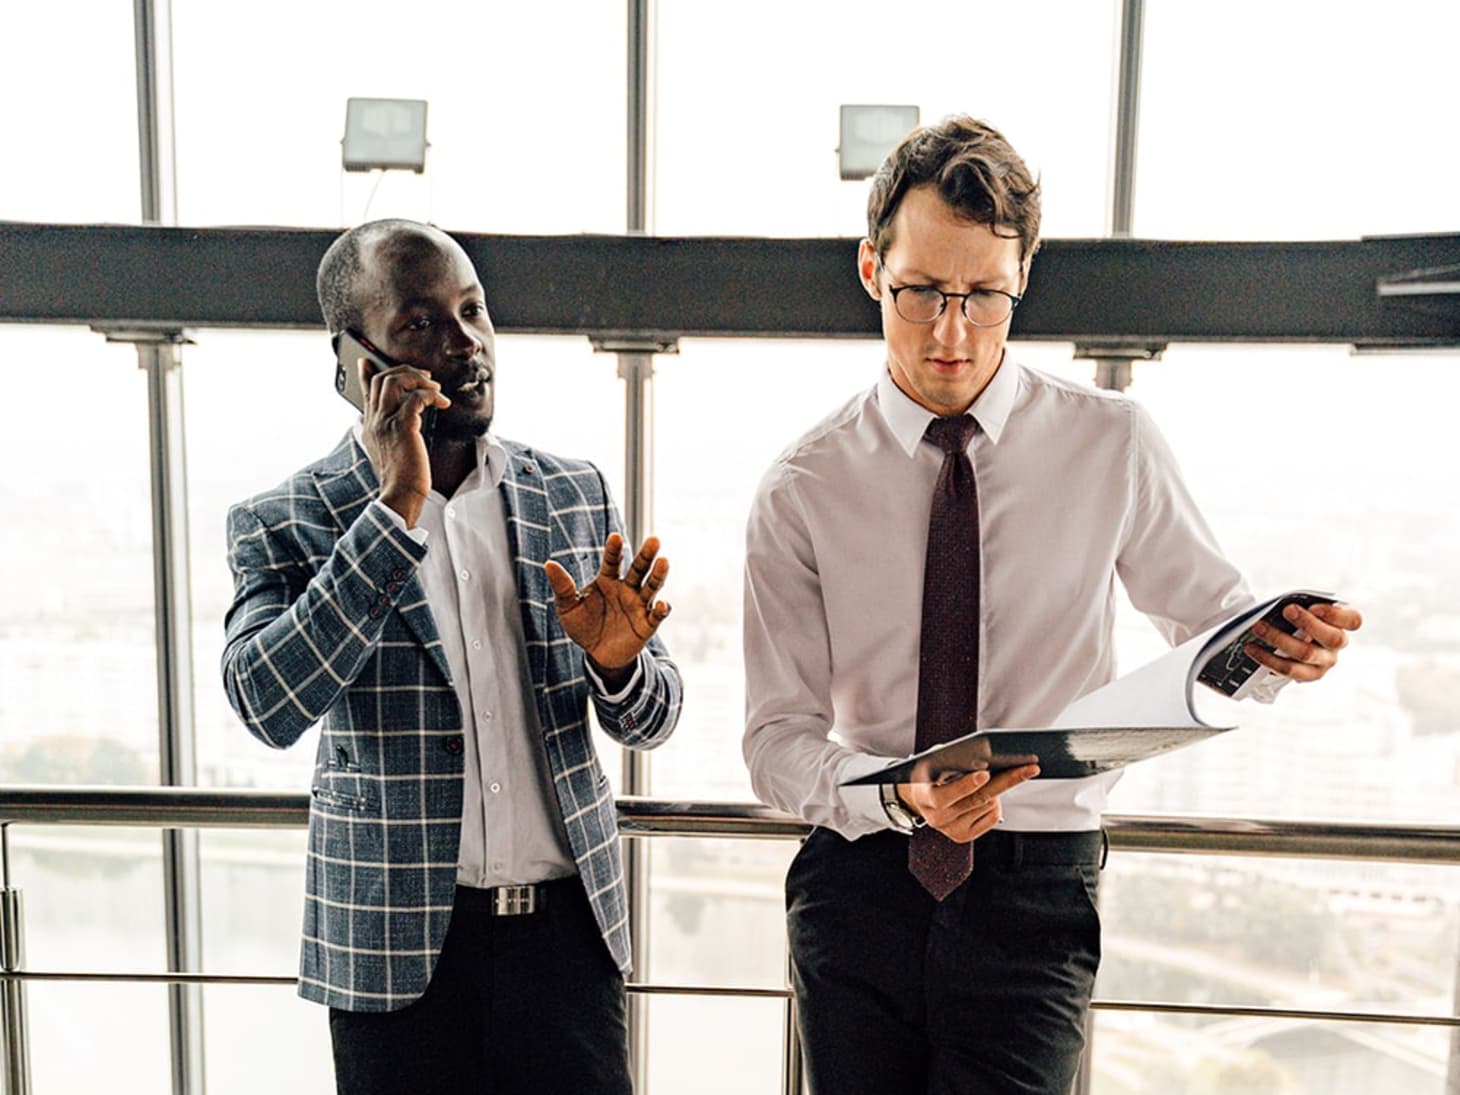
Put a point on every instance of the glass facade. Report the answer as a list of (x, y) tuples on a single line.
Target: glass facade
[(1315, 466)]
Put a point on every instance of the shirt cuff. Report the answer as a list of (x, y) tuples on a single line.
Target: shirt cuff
[(418, 534), (865, 802), (623, 693)]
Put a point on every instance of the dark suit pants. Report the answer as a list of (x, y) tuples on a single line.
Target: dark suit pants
[(985, 992), (517, 1004)]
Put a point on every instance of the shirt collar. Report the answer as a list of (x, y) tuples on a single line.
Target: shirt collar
[(491, 454), (909, 420)]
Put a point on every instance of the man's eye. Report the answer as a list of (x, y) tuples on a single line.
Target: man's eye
[(474, 309), (925, 293), (420, 323)]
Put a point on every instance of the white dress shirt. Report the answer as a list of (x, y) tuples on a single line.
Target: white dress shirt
[(1075, 487), (511, 826)]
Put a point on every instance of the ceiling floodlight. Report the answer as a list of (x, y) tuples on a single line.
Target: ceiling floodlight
[(868, 134), (385, 134)]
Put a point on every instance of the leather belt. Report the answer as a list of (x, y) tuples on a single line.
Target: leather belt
[(503, 900)]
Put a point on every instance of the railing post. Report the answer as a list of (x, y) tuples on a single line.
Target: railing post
[(16, 1039)]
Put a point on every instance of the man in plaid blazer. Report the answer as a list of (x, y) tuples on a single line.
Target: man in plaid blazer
[(448, 608)]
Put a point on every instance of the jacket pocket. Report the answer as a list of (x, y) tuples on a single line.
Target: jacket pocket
[(337, 800)]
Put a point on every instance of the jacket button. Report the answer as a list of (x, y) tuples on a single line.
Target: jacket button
[(375, 612), (452, 745), (398, 574)]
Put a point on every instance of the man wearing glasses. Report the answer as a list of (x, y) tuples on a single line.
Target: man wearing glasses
[(940, 555)]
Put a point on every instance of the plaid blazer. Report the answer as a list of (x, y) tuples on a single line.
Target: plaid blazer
[(329, 621)]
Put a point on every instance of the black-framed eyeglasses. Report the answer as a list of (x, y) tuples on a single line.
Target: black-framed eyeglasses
[(925, 303)]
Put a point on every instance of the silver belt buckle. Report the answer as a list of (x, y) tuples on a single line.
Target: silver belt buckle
[(514, 900)]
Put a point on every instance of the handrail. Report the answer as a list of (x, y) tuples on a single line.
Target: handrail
[(197, 807), (200, 807)]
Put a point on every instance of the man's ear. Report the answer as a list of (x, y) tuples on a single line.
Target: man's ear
[(867, 269)]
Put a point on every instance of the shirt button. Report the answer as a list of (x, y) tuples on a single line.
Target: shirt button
[(464, 575), (486, 716), (450, 511), (476, 644), (495, 787), (497, 866)]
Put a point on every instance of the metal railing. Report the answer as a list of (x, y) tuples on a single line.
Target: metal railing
[(199, 808)]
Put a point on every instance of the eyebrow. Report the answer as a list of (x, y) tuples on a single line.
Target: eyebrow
[(473, 290), (916, 276)]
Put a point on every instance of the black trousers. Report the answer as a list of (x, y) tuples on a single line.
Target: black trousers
[(528, 1003), (986, 991)]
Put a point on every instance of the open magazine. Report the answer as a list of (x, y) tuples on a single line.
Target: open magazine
[(1143, 714)]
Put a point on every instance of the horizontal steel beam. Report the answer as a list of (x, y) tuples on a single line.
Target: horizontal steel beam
[(1111, 291), (198, 807)]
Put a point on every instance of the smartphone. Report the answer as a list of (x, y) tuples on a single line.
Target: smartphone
[(350, 346)]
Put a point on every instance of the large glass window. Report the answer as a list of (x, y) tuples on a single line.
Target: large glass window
[(746, 108), (1284, 121), (69, 89), (1274, 933), (78, 682), (525, 118), (253, 902), (93, 903), (1322, 469)]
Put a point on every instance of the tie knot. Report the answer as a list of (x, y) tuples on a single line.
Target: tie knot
[(951, 434)]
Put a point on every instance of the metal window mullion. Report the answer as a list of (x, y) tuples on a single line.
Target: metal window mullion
[(636, 370), (181, 868), (1127, 117), (161, 361), (1112, 370)]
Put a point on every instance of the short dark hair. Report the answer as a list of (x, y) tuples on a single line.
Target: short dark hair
[(977, 172), (336, 283)]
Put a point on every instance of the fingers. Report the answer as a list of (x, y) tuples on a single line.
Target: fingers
[(403, 389), (646, 575), (1312, 650), (642, 564), (1340, 615), (1315, 662), (613, 557), (969, 806), (565, 590)]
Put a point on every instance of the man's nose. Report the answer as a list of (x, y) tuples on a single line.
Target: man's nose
[(952, 326), (462, 340)]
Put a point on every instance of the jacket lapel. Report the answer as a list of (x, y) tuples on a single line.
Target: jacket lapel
[(525, 503), (347, 483)]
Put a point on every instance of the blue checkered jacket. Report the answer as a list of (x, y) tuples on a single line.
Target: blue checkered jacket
[(329, 621)]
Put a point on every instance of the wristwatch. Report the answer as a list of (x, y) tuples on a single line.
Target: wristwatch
[(903, 819)]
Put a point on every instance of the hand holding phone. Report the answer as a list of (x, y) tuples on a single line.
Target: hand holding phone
[(350, 347), (403, 469)]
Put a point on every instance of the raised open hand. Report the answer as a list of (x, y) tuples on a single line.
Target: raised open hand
[(612, 617)]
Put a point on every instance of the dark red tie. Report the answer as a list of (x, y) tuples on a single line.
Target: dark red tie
[(948, 653)]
